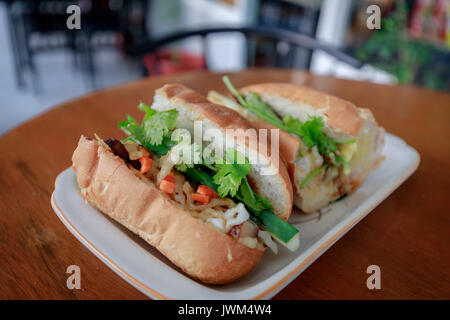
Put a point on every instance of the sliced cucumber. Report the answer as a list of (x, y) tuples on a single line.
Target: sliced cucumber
[(281, 230)]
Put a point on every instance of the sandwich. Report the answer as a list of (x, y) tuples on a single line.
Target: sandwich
[(211, 211), (329, 145)]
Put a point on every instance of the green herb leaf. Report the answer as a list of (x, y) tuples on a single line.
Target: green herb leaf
[(231, 173), (295, 126), (258, 107), (341, 161), (311, 133), (311, 175), (182, 167), (146, 108), (254, 104), (186, 155), (252, 200), (133, 129), (234, 91), (159, 124)]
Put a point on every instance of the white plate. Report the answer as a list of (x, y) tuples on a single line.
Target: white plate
[(151, 273)]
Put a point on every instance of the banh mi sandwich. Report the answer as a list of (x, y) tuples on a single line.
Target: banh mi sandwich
[(212, 217), (330, 145)]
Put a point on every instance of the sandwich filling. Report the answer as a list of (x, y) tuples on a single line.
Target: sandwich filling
[(222, 214), (216, 192)]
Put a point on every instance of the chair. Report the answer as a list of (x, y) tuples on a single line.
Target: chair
[(252, 34), (47, 19)]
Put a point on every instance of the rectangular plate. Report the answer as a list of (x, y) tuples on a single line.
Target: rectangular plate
[(151, 273)]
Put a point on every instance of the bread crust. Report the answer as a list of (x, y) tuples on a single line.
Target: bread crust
[(226, 118), (340, 114), (198, 249)]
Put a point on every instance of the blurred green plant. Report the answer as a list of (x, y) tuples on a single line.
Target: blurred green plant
[(410, 60)]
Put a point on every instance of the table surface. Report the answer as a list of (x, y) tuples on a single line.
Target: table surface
[(407, 235)]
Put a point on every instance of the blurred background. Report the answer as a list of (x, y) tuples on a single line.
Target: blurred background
[(43, 63)]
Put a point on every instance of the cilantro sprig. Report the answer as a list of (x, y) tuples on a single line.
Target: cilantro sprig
[(159, 125), (311, 132), (136, 133), (232, 173), (253, 201), (254, 103)]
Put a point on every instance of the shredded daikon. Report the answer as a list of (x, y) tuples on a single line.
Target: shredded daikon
[(267, 239), (214, 203), (166, 167), (235, 216), (135, 151), (216, 222), (249, 242)]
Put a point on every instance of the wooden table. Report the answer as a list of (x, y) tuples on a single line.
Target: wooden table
[(407, 235)]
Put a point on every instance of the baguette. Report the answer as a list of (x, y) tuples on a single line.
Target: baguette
[(214, 241), (197, 248), (342, 120)]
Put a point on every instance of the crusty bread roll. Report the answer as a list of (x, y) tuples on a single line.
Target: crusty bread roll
[(175, 229), (193, 106), (342, 120), (127, 197)]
